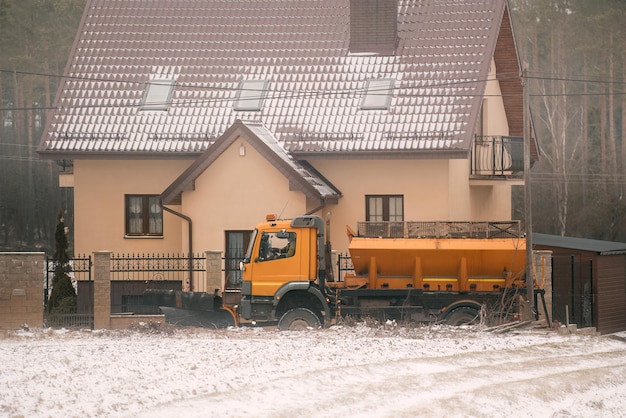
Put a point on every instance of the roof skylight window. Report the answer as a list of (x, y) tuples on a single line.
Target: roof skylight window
[(377, 94), (158, 95), (251, 95)]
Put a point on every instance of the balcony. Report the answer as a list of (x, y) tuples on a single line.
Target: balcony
[(495, 157)]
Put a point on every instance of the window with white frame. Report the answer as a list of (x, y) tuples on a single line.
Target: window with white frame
[(251, 95), (144, 215), (377, 94), (158, 95)]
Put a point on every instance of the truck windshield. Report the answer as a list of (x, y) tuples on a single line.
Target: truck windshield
[(248, 255)]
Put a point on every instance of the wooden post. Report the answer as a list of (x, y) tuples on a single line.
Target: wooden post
[(528, 220)]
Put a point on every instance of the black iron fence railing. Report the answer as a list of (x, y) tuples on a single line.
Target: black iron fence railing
[(497, 156), (72, 305), (158, 267), (440, 229), (344, 266)]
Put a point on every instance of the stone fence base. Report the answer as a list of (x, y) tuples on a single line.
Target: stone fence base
[(21, 289)]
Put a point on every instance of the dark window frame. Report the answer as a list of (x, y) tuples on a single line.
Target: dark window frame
[(144, 215), (386, 208)]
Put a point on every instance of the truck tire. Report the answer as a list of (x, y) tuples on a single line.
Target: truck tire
[(299, 319), (462, 316)]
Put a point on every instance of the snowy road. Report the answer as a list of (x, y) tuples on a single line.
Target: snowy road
[(352, 371)]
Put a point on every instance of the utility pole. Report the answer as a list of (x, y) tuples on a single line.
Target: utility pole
[(528, 218)]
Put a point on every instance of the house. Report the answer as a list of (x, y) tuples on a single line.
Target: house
[(187, 121), (588, 281)]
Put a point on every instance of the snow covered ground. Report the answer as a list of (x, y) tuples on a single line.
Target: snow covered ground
[(359, 370)]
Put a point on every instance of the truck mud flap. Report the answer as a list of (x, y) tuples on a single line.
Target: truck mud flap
[(218, 318)]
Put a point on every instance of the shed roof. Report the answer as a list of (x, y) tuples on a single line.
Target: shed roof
[(582, 244), (314, 88)]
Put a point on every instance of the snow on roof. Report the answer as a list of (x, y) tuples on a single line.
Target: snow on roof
[(314, 85)]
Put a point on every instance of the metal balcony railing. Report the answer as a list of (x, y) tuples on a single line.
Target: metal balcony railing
[(441, 229), (497, 156)]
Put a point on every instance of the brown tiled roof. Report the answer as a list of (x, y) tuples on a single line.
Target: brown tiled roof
[(301, 47)]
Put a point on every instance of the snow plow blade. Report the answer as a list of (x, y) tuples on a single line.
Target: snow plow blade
[(219, 318), (195, 309)]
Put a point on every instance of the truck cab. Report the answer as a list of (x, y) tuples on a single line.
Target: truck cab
[(281, 273)]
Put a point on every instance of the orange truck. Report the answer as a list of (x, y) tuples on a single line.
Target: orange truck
[(448, 272)]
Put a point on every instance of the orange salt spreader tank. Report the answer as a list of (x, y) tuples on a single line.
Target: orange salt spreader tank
[(436, 264)]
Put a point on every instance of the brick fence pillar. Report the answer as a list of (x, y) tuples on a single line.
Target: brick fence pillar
[(21, 289), (102, 290), (213, 271)]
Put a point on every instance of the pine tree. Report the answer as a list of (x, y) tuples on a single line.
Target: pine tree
[(63, 297)]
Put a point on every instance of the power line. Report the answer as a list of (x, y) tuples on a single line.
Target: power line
[(17, 145), (572, 78), (291, 94), (18, 158)]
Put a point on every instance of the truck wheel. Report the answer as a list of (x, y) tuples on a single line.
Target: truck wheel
[(298, 319), (462, 316)]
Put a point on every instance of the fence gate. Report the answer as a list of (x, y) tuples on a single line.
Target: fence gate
[(572, 290), (133, 274), (69, 303)]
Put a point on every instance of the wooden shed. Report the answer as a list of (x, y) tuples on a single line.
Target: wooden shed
[(588, 281)]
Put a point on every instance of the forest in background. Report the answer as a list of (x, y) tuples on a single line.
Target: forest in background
[(575, 55), (574, 52), (35, 41)]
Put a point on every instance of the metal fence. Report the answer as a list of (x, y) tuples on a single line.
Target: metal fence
[(344, 266), (188, 269), (440, 229), (76, 306)]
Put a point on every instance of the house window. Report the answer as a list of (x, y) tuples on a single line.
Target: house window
[(251, 95), (144, 215), (377, 94), (382, 208), (158, 95)]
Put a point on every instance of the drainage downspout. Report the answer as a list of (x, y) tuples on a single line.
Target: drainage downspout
[(190, 260)]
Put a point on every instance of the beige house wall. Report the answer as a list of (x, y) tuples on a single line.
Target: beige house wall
[(242, 186), (496, 122), (99, 189), (489, 200), (423, 183), (235, 193)]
